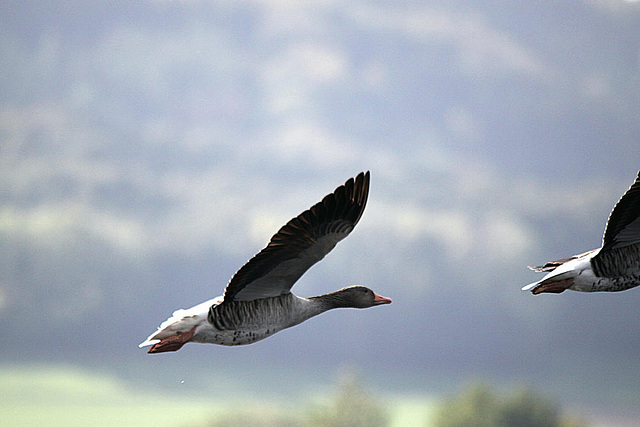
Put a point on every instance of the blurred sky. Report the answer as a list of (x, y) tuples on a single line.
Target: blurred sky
[(150, 148)]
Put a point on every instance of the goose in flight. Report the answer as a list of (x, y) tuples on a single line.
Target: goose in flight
[(258, 302), (613, 267)]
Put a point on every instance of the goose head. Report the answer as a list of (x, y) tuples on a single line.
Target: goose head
[(354, 297)]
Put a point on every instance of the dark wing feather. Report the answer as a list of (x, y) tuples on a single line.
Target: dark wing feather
[(623, 226), (552, 265), (300, 243)]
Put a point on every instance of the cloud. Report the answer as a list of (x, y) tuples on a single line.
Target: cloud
[(615, 7), (281, 18), (505, 237), (482, 48), (5, 300), (310, 146), (450, 228), (291, 78), (462, 124)]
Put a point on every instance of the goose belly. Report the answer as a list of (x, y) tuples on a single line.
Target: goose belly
[(230, 337)]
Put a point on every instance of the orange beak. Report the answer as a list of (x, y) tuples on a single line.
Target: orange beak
[(379, 300)]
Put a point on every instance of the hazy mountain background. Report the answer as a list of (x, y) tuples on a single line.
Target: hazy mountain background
[(149, 149)]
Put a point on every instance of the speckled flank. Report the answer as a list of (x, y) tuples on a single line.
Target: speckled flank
[(245, 322), (617, 262), (616, 284)]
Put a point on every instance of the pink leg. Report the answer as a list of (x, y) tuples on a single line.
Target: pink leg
[(173, 343)]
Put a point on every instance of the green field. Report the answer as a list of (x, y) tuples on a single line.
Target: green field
[(72, 397), (66, 396)]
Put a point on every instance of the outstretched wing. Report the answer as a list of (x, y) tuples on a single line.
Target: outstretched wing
[(300, 243), (623, 226)]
